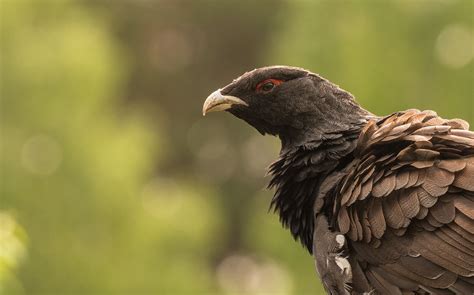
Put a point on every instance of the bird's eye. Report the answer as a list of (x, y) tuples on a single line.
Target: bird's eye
[(268, 85)]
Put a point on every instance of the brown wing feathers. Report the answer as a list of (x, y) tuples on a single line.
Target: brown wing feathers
[(408, 203)]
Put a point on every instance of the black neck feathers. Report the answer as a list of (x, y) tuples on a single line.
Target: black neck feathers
[(297, 176)]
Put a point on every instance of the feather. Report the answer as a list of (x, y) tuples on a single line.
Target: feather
[(439, 176), (402, 179), (383, 130), (449, 232), (377, 219), (432, 221), (461, 247), (385, 186), (393, 213), (366, 189), (443, 212), (462, 232), (464, 178), (421, 177), (435, 255), (426, 225), (458, 124), (399, 129), (423, 144), (457, 139), (452, 165), (462, 287), (360, 233), (464, 205), (353, 235), (347, 195), (435, 120), (409, 203), (355, 193), (465, 222), (422, 213), (417, 137), (366, 227), (400, 281), (343, 220), (425, 154), (434, 189), (442, 280), (428, 130), (422, 164), (359, 279), (413, 178), (426, 200), (422, 267), (400, 231), (437, 245), (462, 133), (367, 173), (381, 285), (378, 176)]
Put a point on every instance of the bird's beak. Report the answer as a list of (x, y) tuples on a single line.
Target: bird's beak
[(218, 102)]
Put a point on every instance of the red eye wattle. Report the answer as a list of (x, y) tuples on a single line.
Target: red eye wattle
[(268, 85)]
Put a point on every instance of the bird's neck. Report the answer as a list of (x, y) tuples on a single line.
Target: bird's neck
[(298, 173), (314, 130)]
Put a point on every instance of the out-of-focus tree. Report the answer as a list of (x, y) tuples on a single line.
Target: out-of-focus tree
[(392, 55), (77, 166), (13, 243)]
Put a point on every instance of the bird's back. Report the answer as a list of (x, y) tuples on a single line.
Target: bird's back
[(403, 210)]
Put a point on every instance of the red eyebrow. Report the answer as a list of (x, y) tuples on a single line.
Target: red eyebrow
[(276, 82)]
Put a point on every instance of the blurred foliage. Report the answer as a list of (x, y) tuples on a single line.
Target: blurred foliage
[(13, 242), (392, 55), (111, 181)]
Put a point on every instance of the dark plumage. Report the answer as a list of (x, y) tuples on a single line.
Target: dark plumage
[(385, 204)]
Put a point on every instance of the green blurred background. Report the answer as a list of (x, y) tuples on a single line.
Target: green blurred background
[(112, 182)]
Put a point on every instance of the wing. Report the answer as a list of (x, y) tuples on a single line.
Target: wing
[(407, 207)]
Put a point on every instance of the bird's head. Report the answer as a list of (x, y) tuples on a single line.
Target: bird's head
[(290, 102)]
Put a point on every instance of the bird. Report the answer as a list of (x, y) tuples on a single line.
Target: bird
[(385, 204)]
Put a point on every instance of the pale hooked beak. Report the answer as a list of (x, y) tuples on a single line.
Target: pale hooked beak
[(218, 102)]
